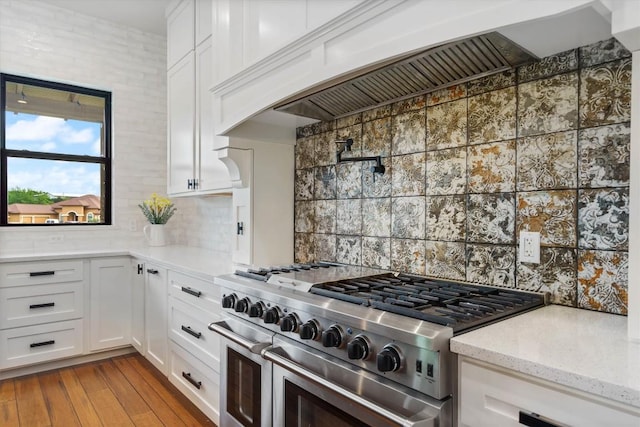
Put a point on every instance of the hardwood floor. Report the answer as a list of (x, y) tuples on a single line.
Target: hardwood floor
[(122, 391)]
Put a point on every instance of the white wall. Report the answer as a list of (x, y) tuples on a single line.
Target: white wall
[(43, 41)]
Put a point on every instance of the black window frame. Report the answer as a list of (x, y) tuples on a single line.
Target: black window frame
[(104, 160)]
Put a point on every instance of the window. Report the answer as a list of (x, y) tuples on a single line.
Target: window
[(55, 153)]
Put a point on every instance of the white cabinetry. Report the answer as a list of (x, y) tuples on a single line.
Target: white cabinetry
[(493, 396), (137, 306), (193, 165), (110, 303), (155, 316)]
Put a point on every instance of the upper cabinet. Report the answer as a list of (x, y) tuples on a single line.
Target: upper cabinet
[(193, 165)]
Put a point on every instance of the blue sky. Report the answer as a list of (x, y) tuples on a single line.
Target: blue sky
[(51, 134)]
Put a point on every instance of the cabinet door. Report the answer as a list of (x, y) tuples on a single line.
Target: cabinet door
[(155, 319), (204, 20), (181, 125), (242, 244), (110, 306), (180, 32), (137, 306)]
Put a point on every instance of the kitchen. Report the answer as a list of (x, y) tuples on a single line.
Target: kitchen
[(244, 90)]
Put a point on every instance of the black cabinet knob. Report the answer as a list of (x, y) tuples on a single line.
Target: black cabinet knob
[(389, 360), (332, 337), (309, 330), (289, 323), (256, 310), (358, 349), (242, 305), (272, 315), (229, 301)]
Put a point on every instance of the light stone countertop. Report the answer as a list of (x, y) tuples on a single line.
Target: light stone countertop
[(583, 349)]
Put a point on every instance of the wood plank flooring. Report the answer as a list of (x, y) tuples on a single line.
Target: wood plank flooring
[(122, 391)]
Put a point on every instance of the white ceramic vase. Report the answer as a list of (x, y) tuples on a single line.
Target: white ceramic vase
[(155, 234)]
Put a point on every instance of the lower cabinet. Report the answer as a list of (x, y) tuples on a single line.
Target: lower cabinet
[(493, 396), (137, 306), (155, 316)]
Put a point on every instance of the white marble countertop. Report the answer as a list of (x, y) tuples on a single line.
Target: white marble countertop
[(583, 349)]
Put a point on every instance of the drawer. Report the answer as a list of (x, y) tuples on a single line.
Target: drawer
[(41, 343), (195, 380), (188, 328), (39, 272), (200, 293)]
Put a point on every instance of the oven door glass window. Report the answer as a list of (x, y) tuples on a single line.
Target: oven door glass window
[(243, 389), (306, 409)]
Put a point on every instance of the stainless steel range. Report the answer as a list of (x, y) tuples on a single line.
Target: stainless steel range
[(343, 345)]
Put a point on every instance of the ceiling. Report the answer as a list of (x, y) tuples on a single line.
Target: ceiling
[(145, 15)]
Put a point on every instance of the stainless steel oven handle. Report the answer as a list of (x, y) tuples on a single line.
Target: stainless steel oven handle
[(222, 329), (297, 369)]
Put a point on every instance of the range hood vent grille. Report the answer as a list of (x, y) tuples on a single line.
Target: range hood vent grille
[(433, 69)]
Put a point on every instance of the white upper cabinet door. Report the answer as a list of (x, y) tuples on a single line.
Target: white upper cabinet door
[(180, 32), (204, 19)]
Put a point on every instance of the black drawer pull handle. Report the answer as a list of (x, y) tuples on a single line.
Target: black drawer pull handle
[(187, 376), (191, 291), (41, 273), (191, 332), (40, 344), (535, 420), (152, 271), (46, 304)]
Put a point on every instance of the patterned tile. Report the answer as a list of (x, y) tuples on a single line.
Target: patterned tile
[(376, 217), (304, 247), (445, 259), (548, 105), (377, 185), (325, 149), (491, 83), (555, 274), (447, 171), (376, 137), (304, 184), (325, 182), (409, 175), (349, 250), (304, 131), (605, 94), (352, 120), (305, 216), (446, 218), (408, 255), (602, 51), (603, 281), (548, 66), (491, 264), (604, 156), (447, 125), (547, 161), (305, 155), (354, 132), (325, 216), (349, 183), (325, 247), (603, 219), (408, 218), (376, 252), (492, 116), (408, 133), (447, 94), (349, 217), (376, 113), (415, 103), (321, 127), (492, 167), (552, 213), (491, 218)]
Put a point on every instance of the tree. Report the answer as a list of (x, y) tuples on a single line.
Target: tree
[(27, 195)]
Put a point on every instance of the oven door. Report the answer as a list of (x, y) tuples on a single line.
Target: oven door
[(245, 377), (311, 388)]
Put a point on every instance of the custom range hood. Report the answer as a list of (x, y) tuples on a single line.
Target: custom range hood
[(432, 69)]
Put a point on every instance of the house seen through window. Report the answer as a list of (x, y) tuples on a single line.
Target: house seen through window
[(55, 144)]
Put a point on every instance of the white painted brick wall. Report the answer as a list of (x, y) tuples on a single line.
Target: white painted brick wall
[(40, 40)]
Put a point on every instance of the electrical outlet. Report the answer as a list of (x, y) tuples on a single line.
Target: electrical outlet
[(133, 225), (530, 247)]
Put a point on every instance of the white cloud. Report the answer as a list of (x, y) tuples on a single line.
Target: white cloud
[(57, 178), (48, 128), (48, 147)]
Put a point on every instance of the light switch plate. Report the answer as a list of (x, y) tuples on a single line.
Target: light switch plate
[(530, 247)]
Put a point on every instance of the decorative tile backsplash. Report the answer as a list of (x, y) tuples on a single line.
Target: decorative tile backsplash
[(542, 148)]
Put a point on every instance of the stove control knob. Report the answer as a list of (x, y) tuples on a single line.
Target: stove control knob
[(358, 348), (242, 305), (256, 310), (309, 330), (272, 315), (389, 359), (332, 337), (289, 323), (229, 301)]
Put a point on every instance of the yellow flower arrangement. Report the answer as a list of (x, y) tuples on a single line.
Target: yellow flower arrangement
[(157, 209)]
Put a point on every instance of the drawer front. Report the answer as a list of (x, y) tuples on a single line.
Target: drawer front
[(195, 380), (42, 343), (188, 327), (32, 305), (200, 293), (40, 272)]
